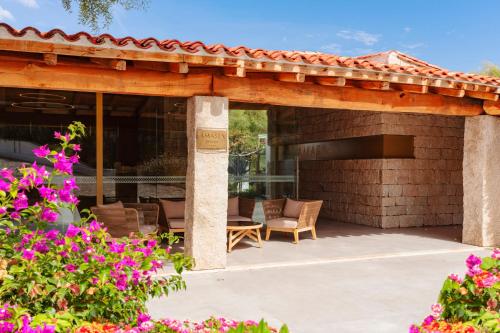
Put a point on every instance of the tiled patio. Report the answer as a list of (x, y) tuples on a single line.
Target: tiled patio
[(341, 241), (351, 279)]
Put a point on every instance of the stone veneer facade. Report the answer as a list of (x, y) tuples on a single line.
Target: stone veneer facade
[(386, 193)]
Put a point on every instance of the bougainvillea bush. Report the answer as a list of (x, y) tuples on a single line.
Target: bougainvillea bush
[(83, 271), (470, 304), (81, 280)]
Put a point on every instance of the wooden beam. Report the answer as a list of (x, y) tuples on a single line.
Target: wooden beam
[(330, 81), (50, 59), (235, 71), (268, 91), (179, 67), (447, 91), (291, 77), (119, 65), (492, 108), (413, 88), (132, 81), (99, 148), (482, 95), (373, 85)]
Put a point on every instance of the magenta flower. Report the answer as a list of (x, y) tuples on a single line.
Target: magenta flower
[(6, 327), (76, 147), (496, 253), (7, 174), (3, 210), (472, 261), (41, 246), (115, 247), (414, 329), (21, 202), (75, 247), (94, 226), (72, 231), (52, 234), (5, 313), (4, 186), (42, 151), (456, 278), (63, 254), (100, 258), (47, 193), (66, 196), (70, 268), (28, 254), (143, 317), (49, 215)]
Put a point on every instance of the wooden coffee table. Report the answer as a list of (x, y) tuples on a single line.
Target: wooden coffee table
[(236, 231)]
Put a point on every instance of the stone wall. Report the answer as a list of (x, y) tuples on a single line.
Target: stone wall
[(426, 190)]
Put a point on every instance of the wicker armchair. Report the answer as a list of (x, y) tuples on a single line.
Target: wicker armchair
[(304, 220), (124, 220), (244, 212)]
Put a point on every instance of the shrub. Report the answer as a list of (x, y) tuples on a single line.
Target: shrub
[(82, 274), (469, 304)]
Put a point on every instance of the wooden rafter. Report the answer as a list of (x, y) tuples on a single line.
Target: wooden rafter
[(412, 88), (291, 77), (372, 85), (447, 91), (234, 71), (482, 95), (330, 81), (119, 65), (50, 59)]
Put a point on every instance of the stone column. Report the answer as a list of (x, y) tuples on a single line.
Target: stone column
[(481, 172), (206, 184)]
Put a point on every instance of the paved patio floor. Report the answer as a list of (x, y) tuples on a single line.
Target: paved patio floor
[(352, 279)]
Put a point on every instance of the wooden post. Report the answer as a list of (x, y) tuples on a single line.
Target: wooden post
[(99, 148)]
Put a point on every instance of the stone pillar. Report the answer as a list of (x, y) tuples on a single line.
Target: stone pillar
[(206, 185), (482, 181)]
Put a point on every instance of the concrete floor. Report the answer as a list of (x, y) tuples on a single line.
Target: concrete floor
[(351, 279)]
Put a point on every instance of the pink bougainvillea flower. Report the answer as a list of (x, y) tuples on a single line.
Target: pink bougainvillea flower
[(28, 254), (94, 226), (100, 258), (496, 253), (472, 261), (414, 329), (4, 186), (115, 247), (52, 234), (49, 215), (42, 151), (21, 202), (76, 147), (47, 193), (3, 210), (70, 268), (72, 231), (7, 174), (456, 278), (5, 313), (75, 247), (70, 184), (41, 246)]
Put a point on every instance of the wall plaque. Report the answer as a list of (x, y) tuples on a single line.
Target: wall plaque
[(211, 139)]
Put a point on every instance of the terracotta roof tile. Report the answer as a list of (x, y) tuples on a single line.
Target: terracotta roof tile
[(418, 66)]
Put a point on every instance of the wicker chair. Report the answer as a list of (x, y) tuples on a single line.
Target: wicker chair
[(246, 207), (129, 219), (304, 221)]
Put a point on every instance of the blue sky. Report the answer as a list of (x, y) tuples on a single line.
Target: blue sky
[(455, 34)]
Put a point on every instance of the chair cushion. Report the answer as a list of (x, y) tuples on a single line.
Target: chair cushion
[(282, 222), (147, 228), (176, 223), (173, 209), (117, 204), (237, 218), (233, 208), (292, 208)]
